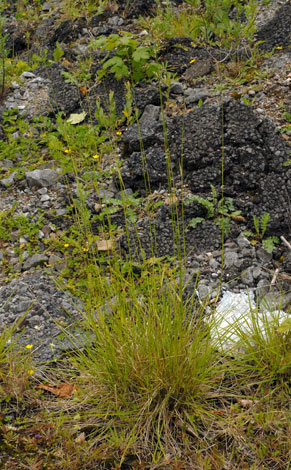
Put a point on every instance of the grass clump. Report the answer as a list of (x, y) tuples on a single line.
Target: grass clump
[(145, 366)]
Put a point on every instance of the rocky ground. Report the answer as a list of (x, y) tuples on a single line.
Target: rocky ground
[(241, 123)]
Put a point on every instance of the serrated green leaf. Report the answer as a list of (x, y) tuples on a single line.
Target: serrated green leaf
[(141, 53), (77, 118), (194, 222)]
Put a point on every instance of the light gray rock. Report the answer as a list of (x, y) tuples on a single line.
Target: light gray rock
[(34, 260), (242, 241), (231, 258), (42, 178), (57, 262), (149, 116), (276, 300), (27, 75), (193, 95), (5, 182), (247, 277), (6, 164), (105, 194)]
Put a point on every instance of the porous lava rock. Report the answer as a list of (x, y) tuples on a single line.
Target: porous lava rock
[(277, 31), (215, 137), (63, 96)]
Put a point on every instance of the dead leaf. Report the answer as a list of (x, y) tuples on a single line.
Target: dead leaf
[(171, 200), (66, 62), (105, 245), (247, 403), (81, 438), (97, 207), (62, 390), (83, 90), (238, 218)]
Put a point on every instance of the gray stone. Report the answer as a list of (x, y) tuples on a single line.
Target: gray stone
[(242, 241), (193, 95), (27, 75), (203, 290), (263, 255), (124, 194), (23, 305), (34, 260), (199, 68), (6, 164), (177, 88), (44, 198), (42, 178), (258, 272), (57, 262), (231, 259), (9, 180), (213, 263), (247, 277), (46, 6), (275, 300), (115, 21), (149, 116), (105, 194), (42, 191), (60, 212)]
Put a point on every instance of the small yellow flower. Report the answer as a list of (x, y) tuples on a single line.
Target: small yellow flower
[(30, 372), (67, 151), (192, 61), (29, 346), (23, 14), (118, 132), (96, 156), (66, 245), (279, 47)]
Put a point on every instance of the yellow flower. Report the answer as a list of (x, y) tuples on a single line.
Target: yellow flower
[(118, 132), (279, 47), (192, 61), (30, 372), (23, 14), (96, 156), (29, 346), (85, 249), (66, 245), (67, 150)]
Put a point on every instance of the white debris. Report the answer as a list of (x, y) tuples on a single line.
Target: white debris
[(236, 313)]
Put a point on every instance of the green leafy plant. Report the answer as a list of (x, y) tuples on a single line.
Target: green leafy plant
[(221, 211), (126, 57), (128, 203), (260, 229), (217, 22), (58, 52)]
